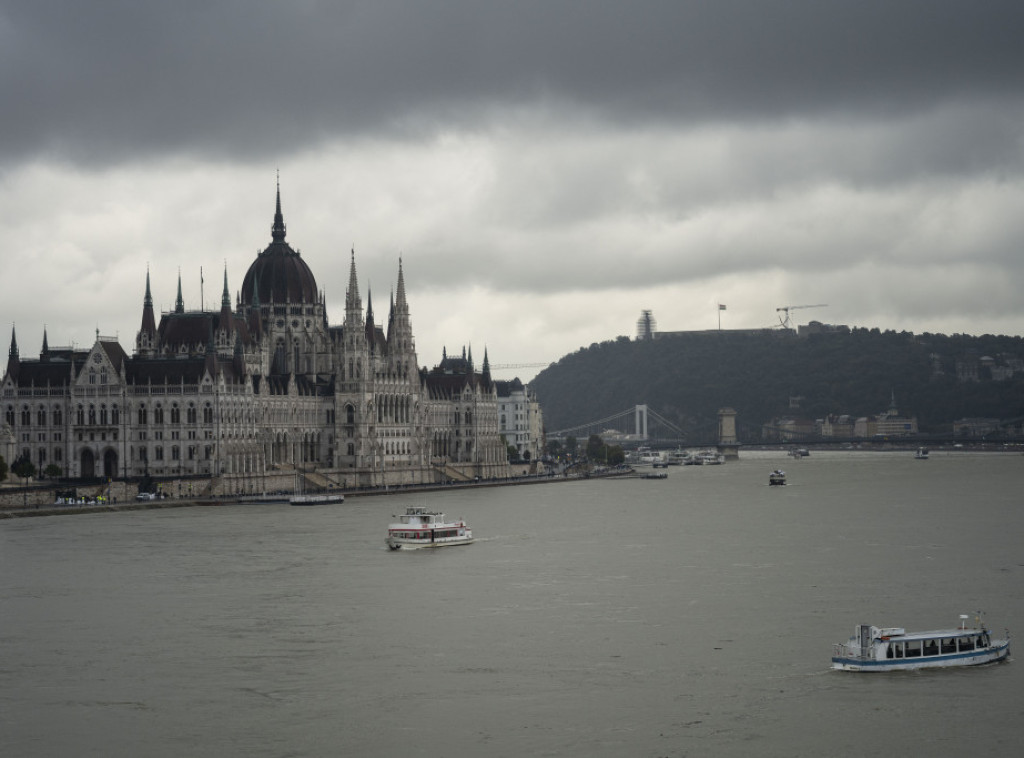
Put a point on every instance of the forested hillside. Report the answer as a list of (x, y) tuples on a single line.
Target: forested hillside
[(686, 378)]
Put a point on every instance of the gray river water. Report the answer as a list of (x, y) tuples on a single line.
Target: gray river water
[(693, 616)]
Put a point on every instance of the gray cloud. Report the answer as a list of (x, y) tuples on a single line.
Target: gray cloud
[(108, 81)]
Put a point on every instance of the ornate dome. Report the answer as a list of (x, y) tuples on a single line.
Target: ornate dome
[(279, 274)]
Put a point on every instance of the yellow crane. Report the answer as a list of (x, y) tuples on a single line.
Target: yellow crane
[(787, 308)]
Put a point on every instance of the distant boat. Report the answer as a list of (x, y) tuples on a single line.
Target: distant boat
[(921, 454), (420, 528), (777, 477), (873, 648), (311, 499)]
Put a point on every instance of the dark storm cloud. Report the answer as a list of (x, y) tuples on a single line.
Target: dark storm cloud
[(102, 81)]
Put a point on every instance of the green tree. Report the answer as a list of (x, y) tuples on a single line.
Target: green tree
[(52, 471), (24, 468), (595, 447)]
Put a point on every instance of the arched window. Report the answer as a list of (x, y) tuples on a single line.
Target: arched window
[(41, 416), (175, 414), (158, 414), (58, 416), (26, 416), (143, 416), (92, 415), (103, 415), (191, 414), (80, 416), (9, 415), (115, 415), (207, 414)]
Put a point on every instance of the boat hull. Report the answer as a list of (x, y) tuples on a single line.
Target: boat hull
[(395, 543), (994, 654)]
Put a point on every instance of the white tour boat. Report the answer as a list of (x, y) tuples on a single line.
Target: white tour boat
[(873, 648), (777, 477), (921, 454), (420, 528)]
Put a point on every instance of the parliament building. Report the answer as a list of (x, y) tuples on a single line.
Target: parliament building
[(264, 395)]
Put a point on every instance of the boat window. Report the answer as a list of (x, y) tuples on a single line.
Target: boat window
[(913, 649), (930, 648), (949, 645), (966, 643)]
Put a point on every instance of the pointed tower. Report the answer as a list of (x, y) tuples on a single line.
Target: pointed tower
[(353, 303), (370, 327), (46, 347), (226, 319), (179, 303), (146, 338), (13, 361), (487, 367), (400, 340)]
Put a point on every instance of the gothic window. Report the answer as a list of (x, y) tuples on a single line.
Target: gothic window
[(350, 414), (115, 415), (143, 416), (80, 416), (207, 414), (103, 415), (175, 453), (103, 376), (158, 453), (175, 414), (9, 415), (58, 416), (92, 415), (191, 414), (351, 449), (41, 416), (26, 416), (158, 415), (92, 376)]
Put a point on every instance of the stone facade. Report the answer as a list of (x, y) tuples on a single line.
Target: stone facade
[(263, 391)]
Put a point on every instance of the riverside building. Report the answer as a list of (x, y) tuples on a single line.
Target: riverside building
[(256, 396)]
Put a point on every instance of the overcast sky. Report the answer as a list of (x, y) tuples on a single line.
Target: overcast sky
[(545, 170)]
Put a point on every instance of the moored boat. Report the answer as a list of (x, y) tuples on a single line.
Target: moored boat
[(777, 477), (420, 528), (873, 648), (321, 499)]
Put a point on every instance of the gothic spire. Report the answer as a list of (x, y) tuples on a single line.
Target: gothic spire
[(353, 304), (179, 303), (46, 346), (225, 298), (13, 352), (13, 362), (278, 230)]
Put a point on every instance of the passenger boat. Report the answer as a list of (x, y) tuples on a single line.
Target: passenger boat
[(778, 476), (420, 528), (654, 475), (322, 499), (873, 648), (921, 454)]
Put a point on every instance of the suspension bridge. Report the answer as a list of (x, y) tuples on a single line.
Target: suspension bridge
[(642, 424)]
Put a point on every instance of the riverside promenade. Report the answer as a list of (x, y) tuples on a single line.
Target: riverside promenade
[(54, 509)]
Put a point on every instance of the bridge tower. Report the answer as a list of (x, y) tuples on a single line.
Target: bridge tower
[(641, 421), (727, 442)]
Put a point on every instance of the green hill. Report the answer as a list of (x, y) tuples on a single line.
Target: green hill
[(687, 377)]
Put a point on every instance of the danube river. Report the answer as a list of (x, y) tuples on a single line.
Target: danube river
[(693, 616)]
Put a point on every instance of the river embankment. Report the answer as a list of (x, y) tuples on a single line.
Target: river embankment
[(62, 509)]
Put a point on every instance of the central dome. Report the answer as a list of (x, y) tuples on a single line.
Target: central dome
[(279, 274)]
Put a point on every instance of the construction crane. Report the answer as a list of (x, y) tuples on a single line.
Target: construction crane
[(787, 308)]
